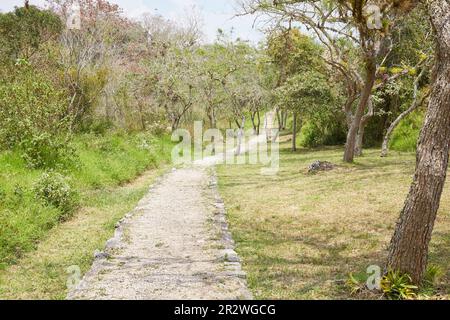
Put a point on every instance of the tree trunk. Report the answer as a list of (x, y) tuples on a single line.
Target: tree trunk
[(240, 136), (294, 133), (409, 246), (212, 120), (363, 102), (279, 118), (362, 128), (285, 118), (360, 140), (348, 107), (258, 123)]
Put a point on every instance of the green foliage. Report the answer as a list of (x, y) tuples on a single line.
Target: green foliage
[(34, 201), (293, 52), (55, 190), (32, 118), (86, 86), (24, 31), (398, 286), (328, 131), (407, 133), (307, 92), (356, 283), (432, 275)]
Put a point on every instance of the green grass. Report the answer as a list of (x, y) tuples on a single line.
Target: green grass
[(301, 235), (102, 162), (406, 135)]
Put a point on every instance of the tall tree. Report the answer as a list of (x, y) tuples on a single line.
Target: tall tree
[(305, 94), (410, 244), (354, 24), (25, 31), (293, 53)]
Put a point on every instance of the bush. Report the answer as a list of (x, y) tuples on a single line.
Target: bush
[(397, 286), (55, 190), (32, 118), (406, 135), (314, 135)]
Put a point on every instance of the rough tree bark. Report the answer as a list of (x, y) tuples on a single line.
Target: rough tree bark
[(408, 251), (362, 128)]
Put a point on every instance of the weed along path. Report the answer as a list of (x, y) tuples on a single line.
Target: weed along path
[(174, 245)]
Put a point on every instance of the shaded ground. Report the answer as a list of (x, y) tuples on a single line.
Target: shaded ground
[(300, 235)]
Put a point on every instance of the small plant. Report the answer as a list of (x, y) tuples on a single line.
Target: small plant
[(398, 286), (55, 190), (430, 281), (354, 284), (432, 275), (18, 191)]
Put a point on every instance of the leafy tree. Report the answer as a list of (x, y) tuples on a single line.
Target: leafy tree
[(32, 117), (413, 53), (341, 26), (176, 85), (409, 247), (297, 58), (25, 31), (306, 94)]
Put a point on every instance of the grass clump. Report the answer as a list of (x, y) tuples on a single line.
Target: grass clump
[(398, 286), (55, 189)]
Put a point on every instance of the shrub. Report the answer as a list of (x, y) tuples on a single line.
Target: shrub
[(406, 135), (398, 286), (32, 118), (329, 134), (2, 194), (356, 283), (55, 190), (433, 275)]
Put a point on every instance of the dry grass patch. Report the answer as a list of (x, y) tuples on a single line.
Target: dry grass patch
[(301, 235)]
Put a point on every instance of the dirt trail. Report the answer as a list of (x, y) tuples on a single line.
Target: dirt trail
[(174, 245)]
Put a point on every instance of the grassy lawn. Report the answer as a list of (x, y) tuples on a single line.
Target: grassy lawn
[(301, 235), (35, 249)]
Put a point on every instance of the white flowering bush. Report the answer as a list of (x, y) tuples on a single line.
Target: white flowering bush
[(55, 190)]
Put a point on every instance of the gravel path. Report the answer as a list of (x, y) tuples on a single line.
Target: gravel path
[(174, 245)]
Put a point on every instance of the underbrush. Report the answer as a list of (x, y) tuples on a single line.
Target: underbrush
[(33, 201), (406, 135)]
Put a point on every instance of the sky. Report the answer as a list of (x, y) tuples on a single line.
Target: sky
[(215, 14)]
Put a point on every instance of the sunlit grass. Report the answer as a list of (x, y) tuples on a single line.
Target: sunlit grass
[(42, 273), (301, 235), (102, 165)]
